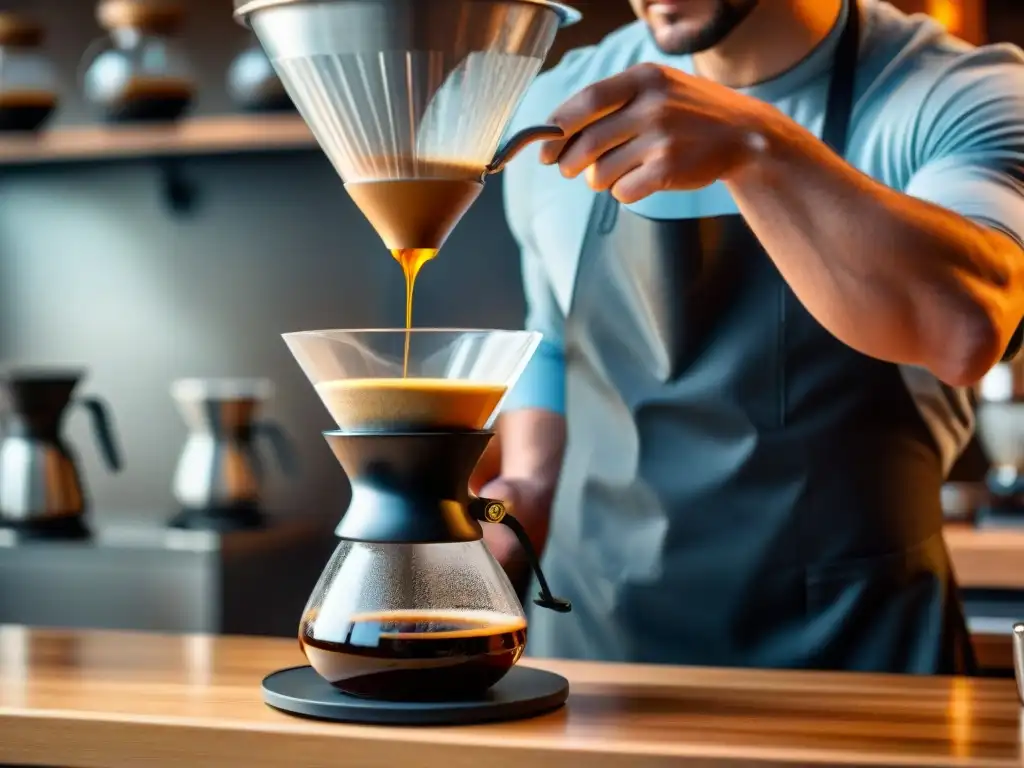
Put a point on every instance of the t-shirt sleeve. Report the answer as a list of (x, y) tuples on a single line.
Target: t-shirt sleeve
[(542, 384), (969, 148)]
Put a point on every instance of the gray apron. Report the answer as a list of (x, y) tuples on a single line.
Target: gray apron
[(739, 488)]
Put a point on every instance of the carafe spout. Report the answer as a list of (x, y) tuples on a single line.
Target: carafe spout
[(518, 141)]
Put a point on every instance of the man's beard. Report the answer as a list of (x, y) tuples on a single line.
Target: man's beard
[(729, 14)]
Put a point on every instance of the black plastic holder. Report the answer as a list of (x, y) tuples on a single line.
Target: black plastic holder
[(523, 693)]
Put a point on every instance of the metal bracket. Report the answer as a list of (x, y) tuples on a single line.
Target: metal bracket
[(180, 194)]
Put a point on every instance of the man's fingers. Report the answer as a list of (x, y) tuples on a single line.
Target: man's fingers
[(612, 166), (587, 107), (598, 139), (644, 180)]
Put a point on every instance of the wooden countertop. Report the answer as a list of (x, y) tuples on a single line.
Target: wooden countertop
[(104, 699), (987, 558)]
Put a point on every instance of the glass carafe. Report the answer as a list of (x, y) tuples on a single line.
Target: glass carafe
[(413, 621), (28, 93), (138, 73), (254, 85)]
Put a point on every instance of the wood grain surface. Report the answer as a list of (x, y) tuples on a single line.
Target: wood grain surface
[(89, 699), (986, 559)]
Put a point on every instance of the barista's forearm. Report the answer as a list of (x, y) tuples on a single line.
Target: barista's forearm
[(894, 277), (532, 444)]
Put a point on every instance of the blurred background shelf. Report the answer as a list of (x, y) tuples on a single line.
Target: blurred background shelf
[(201, 136)]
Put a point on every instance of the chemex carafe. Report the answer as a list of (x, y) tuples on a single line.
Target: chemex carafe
[(28, 80), (218, 483), (41, 489), (139, 73), (412, 609)]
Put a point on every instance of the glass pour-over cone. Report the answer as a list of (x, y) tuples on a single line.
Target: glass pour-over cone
[(409, 98), (415, 381)]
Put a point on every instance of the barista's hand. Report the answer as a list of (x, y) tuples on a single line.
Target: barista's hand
[(653, 128)]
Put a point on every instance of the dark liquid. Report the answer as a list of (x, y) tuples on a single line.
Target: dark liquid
[(25, 112), (417, 656), (412, 261), (151, 101)]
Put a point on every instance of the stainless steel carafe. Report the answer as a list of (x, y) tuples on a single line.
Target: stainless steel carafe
[(218, 482), (1001, 425), (1000, 431), (41, 490)]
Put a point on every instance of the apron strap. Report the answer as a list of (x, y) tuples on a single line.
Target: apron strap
[(835, 133), (841, 90)]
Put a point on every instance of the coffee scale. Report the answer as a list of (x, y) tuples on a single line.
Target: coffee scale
[(413, 621)]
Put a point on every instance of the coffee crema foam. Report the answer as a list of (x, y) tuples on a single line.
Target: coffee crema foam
[(414, 404)]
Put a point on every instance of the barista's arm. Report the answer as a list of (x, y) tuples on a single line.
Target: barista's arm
[(523, 463), (928, 277), (892, 275)]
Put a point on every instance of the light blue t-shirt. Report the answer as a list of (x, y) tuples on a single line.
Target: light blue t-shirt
[(934, 117)]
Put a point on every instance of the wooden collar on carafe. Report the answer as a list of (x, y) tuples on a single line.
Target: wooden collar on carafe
[(19, 32), (148, 16)]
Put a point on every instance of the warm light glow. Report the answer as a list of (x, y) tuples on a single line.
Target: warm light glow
[(199, 658), (948, 13), (15, 661), (961, 716)]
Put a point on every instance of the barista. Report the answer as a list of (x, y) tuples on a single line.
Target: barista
[(781, 239)]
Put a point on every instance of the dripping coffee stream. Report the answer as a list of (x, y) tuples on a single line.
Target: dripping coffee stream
[(411, 260), (415, 216)]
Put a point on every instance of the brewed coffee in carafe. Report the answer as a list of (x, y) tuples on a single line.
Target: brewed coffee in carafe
[(413, 621), (139, 73), (28, 81)]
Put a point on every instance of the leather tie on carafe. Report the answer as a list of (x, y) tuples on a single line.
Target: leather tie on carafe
[(496, 512)]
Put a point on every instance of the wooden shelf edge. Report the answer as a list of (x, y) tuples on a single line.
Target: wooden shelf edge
[(986, 559), (194, 136)]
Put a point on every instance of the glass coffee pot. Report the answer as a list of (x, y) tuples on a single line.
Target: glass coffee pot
[(138, 73), (28, 83), (412, 606), (254, 85)]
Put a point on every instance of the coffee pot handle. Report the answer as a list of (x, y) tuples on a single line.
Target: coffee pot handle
[(101, 423), (518, 141), (280, 444), (494, 511)]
